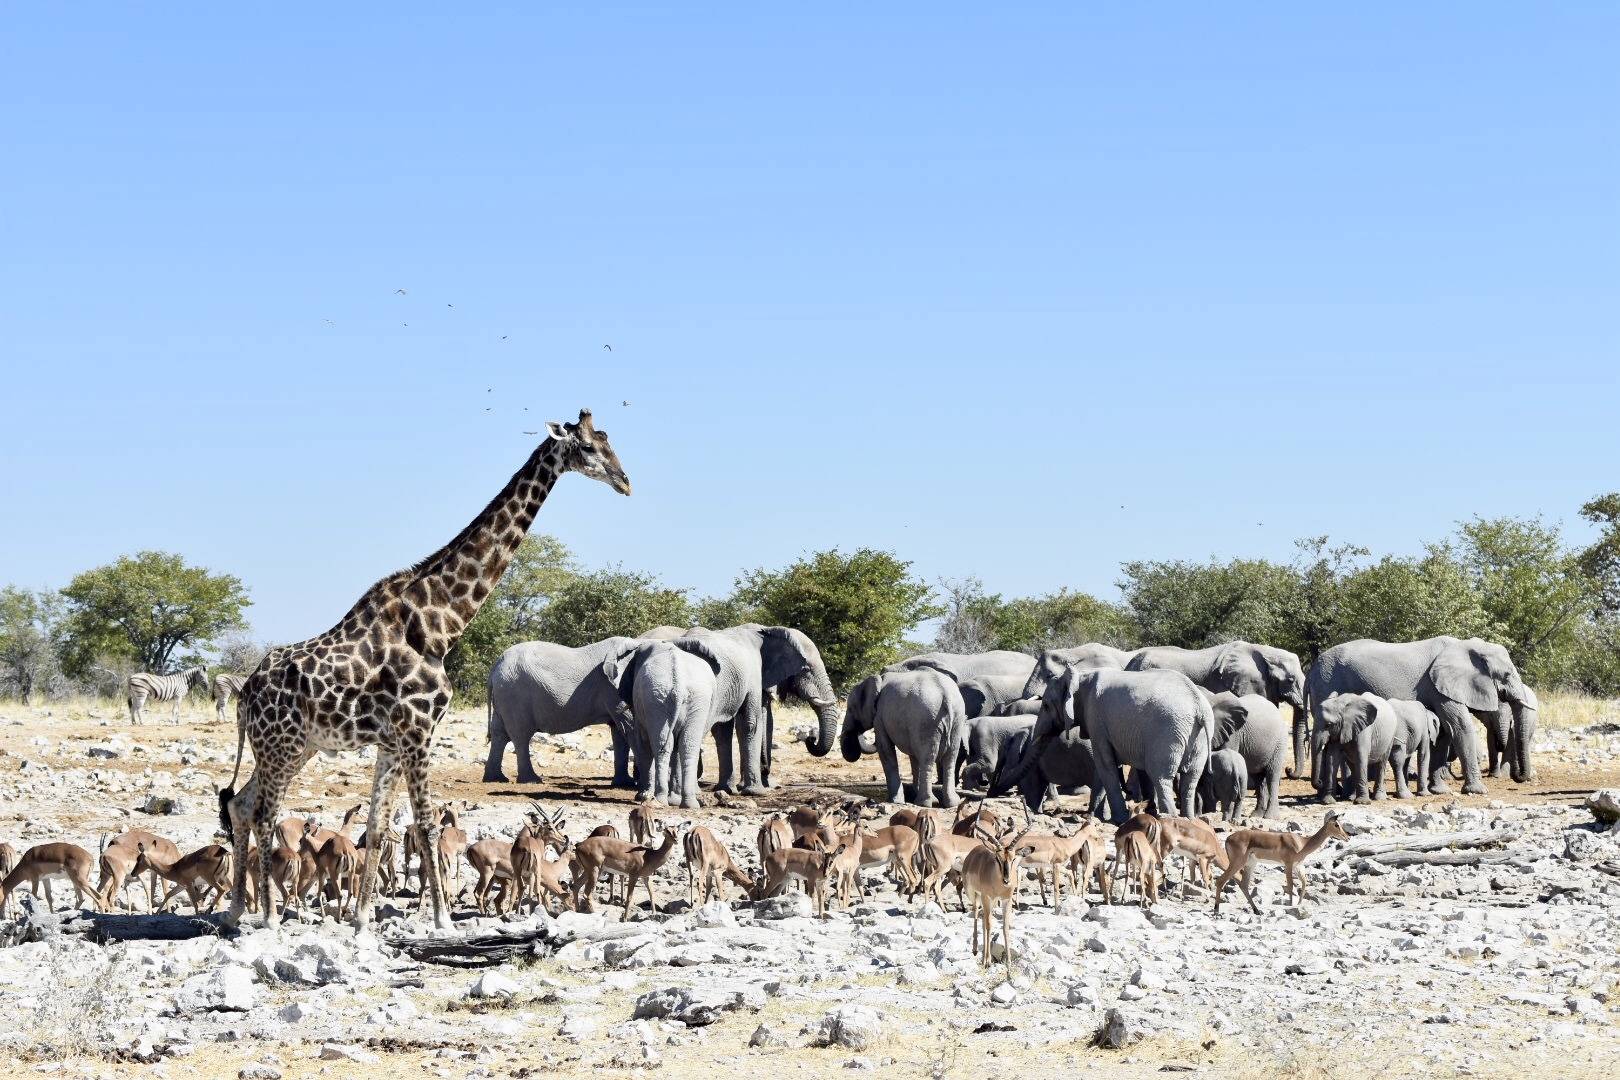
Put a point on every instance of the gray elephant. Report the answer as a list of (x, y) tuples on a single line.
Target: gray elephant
[(1157, 722), (1419, 728), (1225, 784), (1028, 706), (918, 713), (991, 742), (1521, 724), (1243, 668), (1366, 731), (754, 659), (985, 680), (537, 686), (1254, 728), (1054, 662), (670, 688), (1454, 678)]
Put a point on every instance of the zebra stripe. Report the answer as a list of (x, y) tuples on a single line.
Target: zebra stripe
[(226, 687), (144, 685)]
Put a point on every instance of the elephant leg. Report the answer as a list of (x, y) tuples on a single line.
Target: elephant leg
[(525, 764), (646, 770), (1397, 762), (922, 777), (1463, 744), (750, 739), (497, 750), (1493, 752), (723, 733), (1360, 763), (765, 747), (1108, 768), (691, 748), (1330, 773), (889, 758), (945, 765), (622, 776)]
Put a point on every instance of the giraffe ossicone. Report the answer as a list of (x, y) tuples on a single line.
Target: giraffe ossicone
[(377, 677)]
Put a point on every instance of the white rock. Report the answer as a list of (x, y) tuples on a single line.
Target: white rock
[(853, 1026), (492, 984), (1004, 994)]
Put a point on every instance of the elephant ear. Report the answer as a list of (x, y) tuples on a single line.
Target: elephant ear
[(1530, 701), (699, 647), (1232, 716), (1240, 670), (1455, 675), (1359, 714), (783, 655), (621, 669)]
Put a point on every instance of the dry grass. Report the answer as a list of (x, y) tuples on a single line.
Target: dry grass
[(1574, 710)]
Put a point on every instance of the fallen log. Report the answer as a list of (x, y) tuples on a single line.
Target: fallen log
[(105, 928), (1437, 842), (486, 950), (1440, 858)]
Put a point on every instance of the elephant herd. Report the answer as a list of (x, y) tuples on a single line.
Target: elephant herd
[(1197, 729), (660, 694)]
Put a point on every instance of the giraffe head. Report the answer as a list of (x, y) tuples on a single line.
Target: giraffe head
[(587, 451)]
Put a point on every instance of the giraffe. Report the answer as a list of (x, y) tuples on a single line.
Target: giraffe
[(377, 677)]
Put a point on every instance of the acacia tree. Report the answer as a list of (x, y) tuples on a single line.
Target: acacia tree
[(146, 607), (856, 607), (29, 623)]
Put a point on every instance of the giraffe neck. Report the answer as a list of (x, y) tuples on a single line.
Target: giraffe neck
[(432, 602)]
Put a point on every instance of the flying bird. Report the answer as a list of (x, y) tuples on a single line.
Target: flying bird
[(609, 348), (328, 322), (399, 292), (531, 433), (503, 337), (624, 403), (449, 305)]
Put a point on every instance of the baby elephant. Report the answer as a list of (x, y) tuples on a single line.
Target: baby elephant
[(1365, 731), (1224, 784)]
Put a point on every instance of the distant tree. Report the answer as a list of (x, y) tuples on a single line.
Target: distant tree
[(146, 607), (1197, 604), (604, 603), (976, 621), (29, 627), (238, 653), (540, 569), (719, 612), (1312, 617), (1601, 561), (1532, 588), (857, 607), (1398, 599)]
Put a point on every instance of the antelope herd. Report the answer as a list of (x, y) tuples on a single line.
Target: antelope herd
[(825, 852)]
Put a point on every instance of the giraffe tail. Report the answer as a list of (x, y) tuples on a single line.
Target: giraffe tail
[(228, 792)]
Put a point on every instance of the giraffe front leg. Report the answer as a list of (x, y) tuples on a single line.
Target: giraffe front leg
[(413, 763), (238, 810), (382, 797)]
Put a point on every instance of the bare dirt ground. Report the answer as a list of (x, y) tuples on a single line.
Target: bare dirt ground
[(1498, 969)]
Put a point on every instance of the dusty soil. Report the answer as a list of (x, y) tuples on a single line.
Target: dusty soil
[(1392, 984)]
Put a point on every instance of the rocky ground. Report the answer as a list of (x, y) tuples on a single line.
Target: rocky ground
[(1507, 966)]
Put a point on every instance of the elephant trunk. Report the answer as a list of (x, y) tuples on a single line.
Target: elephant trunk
[(1298, 769), (1008, 778), (821, 743), (850, 742), (1524, 733)]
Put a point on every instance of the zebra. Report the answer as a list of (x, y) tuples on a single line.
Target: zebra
[(162, 688), (226, 687)]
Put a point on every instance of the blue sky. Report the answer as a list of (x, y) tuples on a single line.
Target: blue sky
[(1018, 291)]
